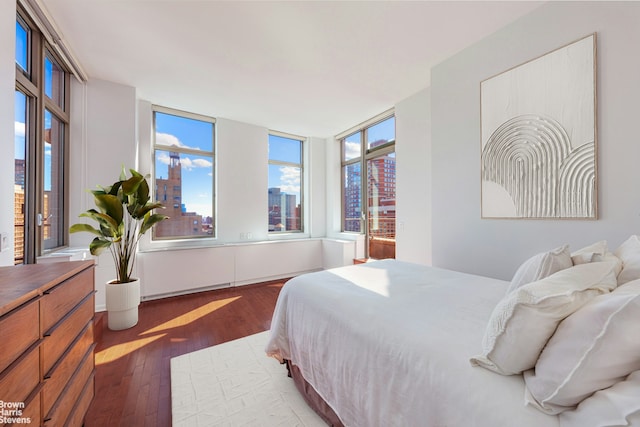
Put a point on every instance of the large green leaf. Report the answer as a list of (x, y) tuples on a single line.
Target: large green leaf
[(150, 220), (75, 228), (143, 192), (110, 205), (90, 213), (130, 186), (98, 245), (141, 211), (108, 226), (100, 191)]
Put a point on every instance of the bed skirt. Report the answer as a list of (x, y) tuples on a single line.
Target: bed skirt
[(313, 399)]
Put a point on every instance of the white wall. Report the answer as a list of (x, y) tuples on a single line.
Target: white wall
[(103, 139), (242, 152), (316, 185), (7, 96), (413, 179), (463, 241)]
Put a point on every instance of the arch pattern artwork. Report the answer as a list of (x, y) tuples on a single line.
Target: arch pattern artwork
[(531, 158)]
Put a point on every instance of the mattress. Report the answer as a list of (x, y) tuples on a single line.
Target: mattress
[(387, 343)]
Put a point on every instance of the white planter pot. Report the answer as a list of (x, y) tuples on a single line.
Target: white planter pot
[(122, 304)]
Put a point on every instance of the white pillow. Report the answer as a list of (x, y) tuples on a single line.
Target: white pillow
[(594, 348), (629, 253), (609, 257), (618, 405), (540, 266), (586, 254), (524, 320)]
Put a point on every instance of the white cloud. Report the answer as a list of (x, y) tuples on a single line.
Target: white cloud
[(169, 140), (352, 149), (290, 178), (203, 209), (19, 129), (163, 158), (202, 163), (186, 163), (189, 164)]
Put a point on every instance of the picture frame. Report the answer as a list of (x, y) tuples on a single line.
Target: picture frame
[(538, 137)]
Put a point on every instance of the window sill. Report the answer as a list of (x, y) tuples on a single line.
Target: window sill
[(174, 245)]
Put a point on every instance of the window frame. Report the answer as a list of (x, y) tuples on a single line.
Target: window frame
[(300, 165), (366, 154), (345, 163), (188, 151), (31, 83)]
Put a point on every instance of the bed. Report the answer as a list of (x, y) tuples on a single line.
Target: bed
[(389, 343)]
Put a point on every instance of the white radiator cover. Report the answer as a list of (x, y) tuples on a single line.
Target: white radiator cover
[(174, 272)]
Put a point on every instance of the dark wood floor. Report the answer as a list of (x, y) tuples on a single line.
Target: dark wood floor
[(133, 385)]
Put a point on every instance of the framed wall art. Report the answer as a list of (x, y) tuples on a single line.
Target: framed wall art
[(538, 127)]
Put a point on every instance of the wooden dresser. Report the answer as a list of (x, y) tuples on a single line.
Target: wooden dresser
[(46, 343)]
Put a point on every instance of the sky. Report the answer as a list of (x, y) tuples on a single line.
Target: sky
[(19, 119), (20, 99), (197, 170), (20, 105), (385, 130), (285, 177)]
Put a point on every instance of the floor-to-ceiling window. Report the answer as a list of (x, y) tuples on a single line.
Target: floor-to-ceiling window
[(369, 185), (19, 185), (40, 145)]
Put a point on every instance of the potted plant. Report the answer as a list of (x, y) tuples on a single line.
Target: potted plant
[(124, 214)]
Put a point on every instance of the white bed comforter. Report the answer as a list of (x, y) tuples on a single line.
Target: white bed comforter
[(387, 343)]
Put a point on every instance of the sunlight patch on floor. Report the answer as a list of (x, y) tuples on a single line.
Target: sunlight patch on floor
[(117, 351), (191, 316)]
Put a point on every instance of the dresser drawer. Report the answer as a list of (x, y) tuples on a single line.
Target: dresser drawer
[(57, 378), (20, 329), (58, 339), (28, 414), (60, 299), (71, 394), (76, 419), (24, 376)]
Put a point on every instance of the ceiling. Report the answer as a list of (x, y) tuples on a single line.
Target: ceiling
[(311, 68)]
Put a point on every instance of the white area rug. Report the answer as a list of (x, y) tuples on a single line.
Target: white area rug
[(236, 384)]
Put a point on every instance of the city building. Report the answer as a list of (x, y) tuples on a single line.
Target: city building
[(169, 193), (284, 211)]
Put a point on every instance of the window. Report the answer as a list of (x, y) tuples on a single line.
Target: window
[(285, 183), (41, 141), (352, 182), (184, 173), (23, 37), (369, 185), (21, 111)]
